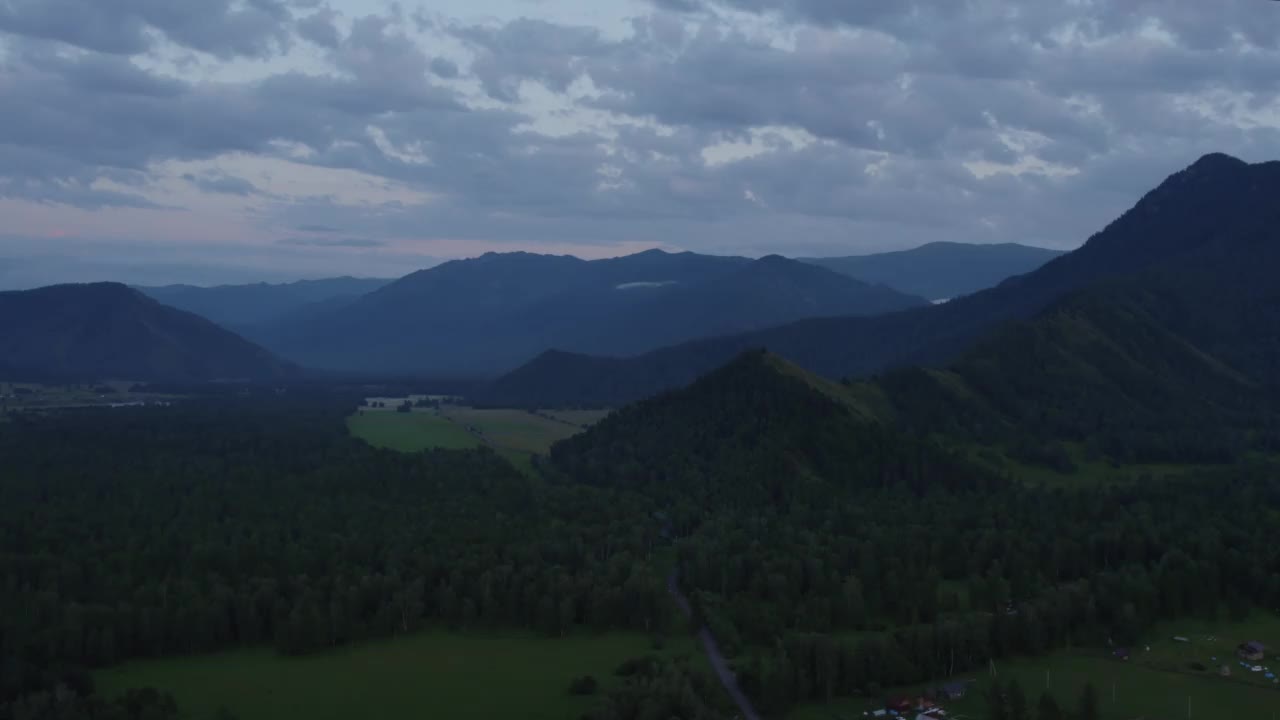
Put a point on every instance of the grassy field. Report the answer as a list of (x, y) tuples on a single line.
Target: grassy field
[(409, 432), (512, 429), (516, 435), (432, 674), (1152, 684), (579, 418)]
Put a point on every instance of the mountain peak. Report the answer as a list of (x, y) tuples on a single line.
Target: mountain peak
[(1218, 161)]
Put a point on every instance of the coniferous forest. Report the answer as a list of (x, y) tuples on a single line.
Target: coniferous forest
[(227, 521)]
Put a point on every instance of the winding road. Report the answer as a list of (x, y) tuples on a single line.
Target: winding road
[(718, 663)]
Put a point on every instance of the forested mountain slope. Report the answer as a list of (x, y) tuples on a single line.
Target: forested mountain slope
[(487, 315), (107, 330), (1177, 363), (757, 431), (941, 270), (1218, 198)]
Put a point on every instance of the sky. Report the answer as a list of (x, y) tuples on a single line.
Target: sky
[(215, 141)]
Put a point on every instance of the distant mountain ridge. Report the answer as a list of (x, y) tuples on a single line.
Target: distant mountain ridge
[(1175, 361), (941, 270), (489, 314), (108, 330), (241, 306), (1217, 195)]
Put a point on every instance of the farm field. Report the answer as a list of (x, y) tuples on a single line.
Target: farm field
[(512, 429), (410, 432), (517, 435), (430, 674), (578, 417), (1152, 684)]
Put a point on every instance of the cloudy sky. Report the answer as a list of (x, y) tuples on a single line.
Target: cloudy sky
[(234, 140)]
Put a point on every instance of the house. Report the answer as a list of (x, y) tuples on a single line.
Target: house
[(1121, 653), (1252, 650), (953, 690)]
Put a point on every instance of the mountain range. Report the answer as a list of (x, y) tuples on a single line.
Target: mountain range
[(941, 270), (1211, 207), (108, 330), (489, 314), (1170, 355), (244, 306)]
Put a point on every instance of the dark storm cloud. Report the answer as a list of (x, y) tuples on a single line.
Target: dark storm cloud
[(224, 28)]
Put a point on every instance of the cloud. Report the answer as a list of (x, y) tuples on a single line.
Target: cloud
[(223, 28), (750, 126), (221, 183), (333, 242), (320, 29)]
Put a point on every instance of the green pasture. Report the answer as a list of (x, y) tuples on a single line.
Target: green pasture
[(512, 429), (409, 432), (435, 674), (1155, 683)]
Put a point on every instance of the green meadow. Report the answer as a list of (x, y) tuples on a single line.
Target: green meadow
[(434, 674), (512, 429), (1155, 683), (409, 432)]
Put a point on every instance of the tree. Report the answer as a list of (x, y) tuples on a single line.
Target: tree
[(997, 707), (1048, 708), (1016, 702), (1088, 709)]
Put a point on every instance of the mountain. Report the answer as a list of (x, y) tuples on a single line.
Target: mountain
[(1178, 361), (107, 330), (242, 306), (487, 315), (941, 270), (758, 430), (1217, 197)]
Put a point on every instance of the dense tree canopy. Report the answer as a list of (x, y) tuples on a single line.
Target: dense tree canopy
[(144, 532)]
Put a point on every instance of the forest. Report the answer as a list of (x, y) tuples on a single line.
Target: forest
[(229, 522), (831, 556)]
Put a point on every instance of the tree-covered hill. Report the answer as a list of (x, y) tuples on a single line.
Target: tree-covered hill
[(107, 330), (757, 431)]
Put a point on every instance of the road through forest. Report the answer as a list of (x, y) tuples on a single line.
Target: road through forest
[(718, 663)]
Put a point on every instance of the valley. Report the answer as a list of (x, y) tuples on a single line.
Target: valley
[(1067, 480)]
